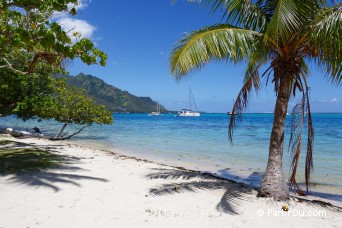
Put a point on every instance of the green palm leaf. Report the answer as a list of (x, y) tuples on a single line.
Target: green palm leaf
[(326, 41), (253, 16), (251, 80), (218, 42), (288, 18)]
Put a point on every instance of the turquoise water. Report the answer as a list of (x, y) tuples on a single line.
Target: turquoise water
[(202, 143)]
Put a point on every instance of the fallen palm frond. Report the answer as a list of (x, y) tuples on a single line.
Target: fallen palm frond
[(300, 113)]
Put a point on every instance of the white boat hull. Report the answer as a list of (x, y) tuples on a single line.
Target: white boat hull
[(154, 114), (189, 113), (193, 114)]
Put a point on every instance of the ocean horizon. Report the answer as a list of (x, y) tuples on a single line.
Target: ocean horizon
[(201, 143)]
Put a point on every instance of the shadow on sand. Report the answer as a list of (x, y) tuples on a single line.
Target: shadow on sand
[(236, 193), (51, 179), (41, 166)]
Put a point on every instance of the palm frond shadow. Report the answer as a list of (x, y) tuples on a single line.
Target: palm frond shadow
[(193, 181), (232, 199), (317, 204), (40, 166), (50, 179)]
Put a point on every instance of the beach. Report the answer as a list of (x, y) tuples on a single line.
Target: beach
[(99, 188), (202, 144), (102, 125)]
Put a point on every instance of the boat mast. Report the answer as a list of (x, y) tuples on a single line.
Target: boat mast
[(191, 99), (190, 105)]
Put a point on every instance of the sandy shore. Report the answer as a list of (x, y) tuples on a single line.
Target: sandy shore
[(96, 188)]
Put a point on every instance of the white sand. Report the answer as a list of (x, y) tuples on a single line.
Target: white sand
[(99, 189)]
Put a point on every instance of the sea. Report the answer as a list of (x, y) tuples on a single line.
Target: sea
[(202, 144)]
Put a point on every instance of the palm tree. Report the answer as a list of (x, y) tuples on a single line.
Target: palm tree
[(282, 35)]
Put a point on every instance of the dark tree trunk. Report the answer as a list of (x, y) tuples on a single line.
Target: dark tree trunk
[(58, 136), (273, 183)]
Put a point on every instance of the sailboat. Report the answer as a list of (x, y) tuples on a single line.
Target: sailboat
[(189, 112), (157, 113)]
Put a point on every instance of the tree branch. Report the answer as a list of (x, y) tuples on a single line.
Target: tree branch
[(74, 133), (8, 65)]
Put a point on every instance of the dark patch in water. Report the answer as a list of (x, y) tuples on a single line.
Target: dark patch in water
[(334, 134)]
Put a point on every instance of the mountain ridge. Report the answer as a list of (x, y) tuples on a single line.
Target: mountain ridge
[(113, 98)]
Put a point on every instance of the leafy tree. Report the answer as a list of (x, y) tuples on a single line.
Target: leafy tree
[(284, 36), (20, 92), (26, 26), (70, 105), (44, 97), (33, 47)]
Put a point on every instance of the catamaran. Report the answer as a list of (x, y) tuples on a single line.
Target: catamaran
[(189, 112), (157, 113)]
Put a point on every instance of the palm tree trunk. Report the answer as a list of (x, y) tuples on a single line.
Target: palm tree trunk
[(273, 183)]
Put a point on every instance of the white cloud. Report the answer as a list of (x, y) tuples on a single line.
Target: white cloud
[(332, 100), (72, 25)]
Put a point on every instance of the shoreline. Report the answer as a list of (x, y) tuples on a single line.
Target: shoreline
[(232, 174), (246, 176), (103, 188)]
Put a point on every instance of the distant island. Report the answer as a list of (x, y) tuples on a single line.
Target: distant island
[(113, 98)]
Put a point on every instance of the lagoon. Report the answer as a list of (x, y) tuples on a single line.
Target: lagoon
[(201, 143)]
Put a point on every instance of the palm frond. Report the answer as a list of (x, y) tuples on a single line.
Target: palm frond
[(218, 42), (325, 39), (253, 16), (309, 150), (252, 79), (298, 118), (295, 141), (287, 20)]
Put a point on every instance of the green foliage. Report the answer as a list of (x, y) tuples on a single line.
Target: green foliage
[(326, 41), (32, 48), (19, 93), (218, 42), (26, 27), (71, 105)]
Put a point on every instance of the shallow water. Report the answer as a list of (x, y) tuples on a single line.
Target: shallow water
[(202, 143)]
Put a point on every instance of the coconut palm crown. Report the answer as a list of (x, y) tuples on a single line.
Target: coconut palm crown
[(284, 36)]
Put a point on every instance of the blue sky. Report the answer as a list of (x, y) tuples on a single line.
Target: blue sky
[(138, 36)]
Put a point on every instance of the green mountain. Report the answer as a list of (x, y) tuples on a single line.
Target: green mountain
[(113, 98)]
